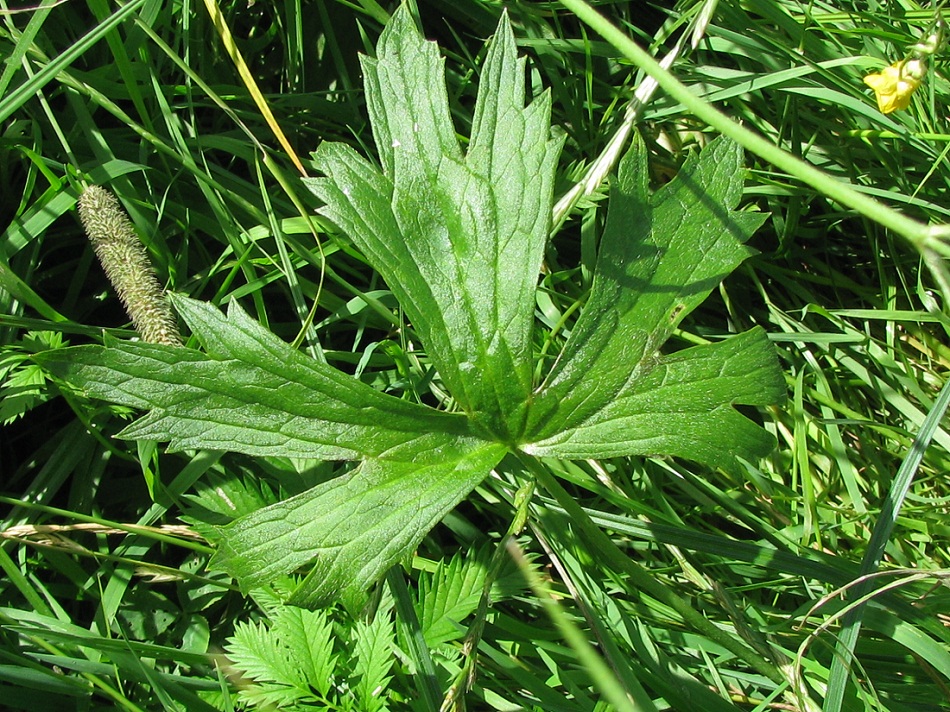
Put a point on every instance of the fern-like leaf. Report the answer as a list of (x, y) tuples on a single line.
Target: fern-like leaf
[(448, 596), (373, 646)]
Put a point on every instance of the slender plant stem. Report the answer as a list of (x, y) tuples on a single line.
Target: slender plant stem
[(427, 684), (466, 676)]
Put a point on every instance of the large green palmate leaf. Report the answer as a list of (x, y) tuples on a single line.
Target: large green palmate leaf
[(458, 237)]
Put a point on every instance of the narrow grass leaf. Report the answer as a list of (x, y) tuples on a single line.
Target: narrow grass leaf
[(12, 101), (851, 623), (234, 52)]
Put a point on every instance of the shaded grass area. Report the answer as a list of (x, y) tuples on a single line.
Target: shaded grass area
[(145, 99)]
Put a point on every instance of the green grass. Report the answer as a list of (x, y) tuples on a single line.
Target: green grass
[(144, 98)]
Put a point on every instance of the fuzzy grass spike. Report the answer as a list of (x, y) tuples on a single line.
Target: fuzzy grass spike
[(127, 266)]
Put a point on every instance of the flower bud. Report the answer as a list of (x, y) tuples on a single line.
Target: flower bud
[(894, 85)]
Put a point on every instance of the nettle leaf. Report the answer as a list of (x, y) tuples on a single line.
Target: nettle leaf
[(611, 392), (373, 645), (288, 658), (458, 238), (258, 652), (307, 642), (449, 595)]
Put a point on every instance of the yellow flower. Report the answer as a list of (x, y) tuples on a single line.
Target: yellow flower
[(894, 85)]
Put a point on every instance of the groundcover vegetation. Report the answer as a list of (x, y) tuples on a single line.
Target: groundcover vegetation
[(511, 374)]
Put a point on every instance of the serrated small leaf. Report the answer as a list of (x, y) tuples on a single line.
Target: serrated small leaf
[(373, 644), (448, 596), (255, 650), (307, 639), (354, 527), (287, 657), (231, 496)]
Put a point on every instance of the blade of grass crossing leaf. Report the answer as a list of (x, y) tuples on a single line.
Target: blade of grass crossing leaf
[(614, 627), (466, 677), (923, 237), (245, 73), (304, 313), (307, 329), (598, 171), (602, 675), (607, 551), (851, 624)]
